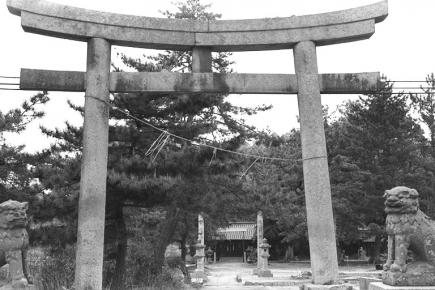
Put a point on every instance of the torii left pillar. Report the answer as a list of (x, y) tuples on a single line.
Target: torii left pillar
[(92, 199)]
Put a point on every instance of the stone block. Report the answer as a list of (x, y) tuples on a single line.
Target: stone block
[(327, 287), (414, 276), (364, 282), (264, 273), (382, 286), (10, 287), (198, 275), (290, 285)]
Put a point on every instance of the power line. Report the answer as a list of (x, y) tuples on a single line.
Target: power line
[(403, 81), (9, 89), (367, 92), (195, 143), (4, 82), (396, 93), (215, 148), (412, 88)]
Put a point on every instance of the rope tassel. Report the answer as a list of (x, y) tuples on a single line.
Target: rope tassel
[(246, 171)]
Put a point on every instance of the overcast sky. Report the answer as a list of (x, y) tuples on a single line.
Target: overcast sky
[(402, 48)]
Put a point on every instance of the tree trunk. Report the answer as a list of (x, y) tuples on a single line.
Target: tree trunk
[(184, 238), (376, 250), (165, 238), (118, 281), (289, 253), (432, 141)]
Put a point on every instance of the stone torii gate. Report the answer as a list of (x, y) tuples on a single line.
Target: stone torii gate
[(101, 30)]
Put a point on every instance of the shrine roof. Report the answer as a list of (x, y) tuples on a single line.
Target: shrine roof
[(236, 231)]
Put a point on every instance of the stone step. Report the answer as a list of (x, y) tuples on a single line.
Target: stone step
[(276, 283)]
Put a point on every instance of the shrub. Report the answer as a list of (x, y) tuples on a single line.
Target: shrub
[(52, 269), (168, 279)]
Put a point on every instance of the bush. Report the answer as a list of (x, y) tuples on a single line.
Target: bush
[(169, 279), (52, 269)]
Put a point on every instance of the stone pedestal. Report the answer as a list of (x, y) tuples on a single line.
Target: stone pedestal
[(382, 286), (364, 282), (327, 287), (417, 274), (10, 287), (264, 271), (16, 267)]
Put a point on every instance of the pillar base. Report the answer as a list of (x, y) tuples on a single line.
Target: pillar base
[(199, 274), (327, 287), (264, 273), (417, 274), (382, 286), (198, 277), (17, 287), (364, 282)]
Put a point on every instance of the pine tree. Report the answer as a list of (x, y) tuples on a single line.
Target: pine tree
[(424, 106), (381, 142), (15, 173), (183, 178)]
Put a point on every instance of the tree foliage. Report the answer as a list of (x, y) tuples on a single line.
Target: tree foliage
[(176, 175), (15, 164)]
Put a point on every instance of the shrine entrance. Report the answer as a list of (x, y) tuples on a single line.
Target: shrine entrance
[(101, 30), (233, 240)]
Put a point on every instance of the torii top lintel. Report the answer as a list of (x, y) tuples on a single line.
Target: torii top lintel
[(47, 18)]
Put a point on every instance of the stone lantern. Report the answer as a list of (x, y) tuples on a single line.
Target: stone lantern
[(264, 271)]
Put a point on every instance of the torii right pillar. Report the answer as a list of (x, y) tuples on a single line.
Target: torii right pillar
[(320, 221)]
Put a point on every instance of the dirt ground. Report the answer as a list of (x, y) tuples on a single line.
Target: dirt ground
[(233, 274)]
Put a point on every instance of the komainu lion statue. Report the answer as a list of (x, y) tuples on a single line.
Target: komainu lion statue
[(408, 228), (13, 240)]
